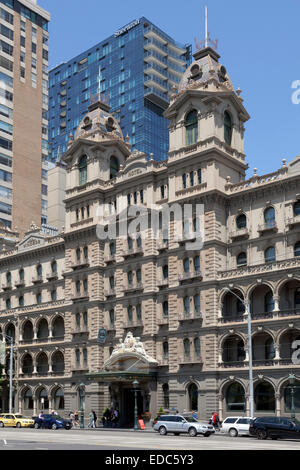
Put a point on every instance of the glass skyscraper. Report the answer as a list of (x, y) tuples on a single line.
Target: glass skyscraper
[(139, 65)]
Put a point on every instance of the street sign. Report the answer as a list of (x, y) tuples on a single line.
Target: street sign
[(2, 353), (102, 334)]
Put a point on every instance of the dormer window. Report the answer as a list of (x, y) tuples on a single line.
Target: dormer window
[(227, 128), (82, 167), (191, 127), (114, 167)]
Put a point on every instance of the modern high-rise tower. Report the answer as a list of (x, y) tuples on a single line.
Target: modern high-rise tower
[(23, 113), (139, 65)]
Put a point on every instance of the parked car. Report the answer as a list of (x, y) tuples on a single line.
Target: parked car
[(52, 422), (178, 424), (275, 428), (236, 426), (15, 421)]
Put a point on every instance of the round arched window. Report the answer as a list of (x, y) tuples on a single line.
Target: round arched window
[(82, 168), (114, 167), (191, 127)]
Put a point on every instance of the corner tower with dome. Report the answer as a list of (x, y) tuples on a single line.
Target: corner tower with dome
[(91, 317)]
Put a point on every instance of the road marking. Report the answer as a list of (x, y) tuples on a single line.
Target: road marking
[(5, 443)]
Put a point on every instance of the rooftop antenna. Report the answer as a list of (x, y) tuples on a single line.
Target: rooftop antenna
[(207, 42)]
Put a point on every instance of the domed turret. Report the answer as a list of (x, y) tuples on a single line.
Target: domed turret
[(204, 69), (99, 124)]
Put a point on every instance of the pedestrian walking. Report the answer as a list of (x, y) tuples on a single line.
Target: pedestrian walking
[(76, 419), (95, 418), (72, 417), (91, 422), (215, 421), (194, 415)]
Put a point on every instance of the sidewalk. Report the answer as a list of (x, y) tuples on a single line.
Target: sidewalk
[(113, 429)]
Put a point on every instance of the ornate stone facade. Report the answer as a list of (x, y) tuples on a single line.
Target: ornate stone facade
[(188, 334)]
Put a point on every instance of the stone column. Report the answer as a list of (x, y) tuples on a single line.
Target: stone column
[(50, 332), (220, 398), (278, 404), (276, 303), (247, 405), (34, 406)]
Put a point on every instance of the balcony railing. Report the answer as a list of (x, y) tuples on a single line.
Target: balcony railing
[(269, 227), (110, 258), (293, 222), (188, 316), (190, 275), (191, 358), (163, 321), (138, 250), (80, 295), (233, 318), (81, 263), (38, 279), (163, 282), (7, 285), (52, 276), (234, 364), (111, 292), (162, 245), (133, 323), (238, 234), (134, 287), (20, 283)]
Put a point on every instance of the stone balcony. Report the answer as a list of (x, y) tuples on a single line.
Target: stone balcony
[(79, 264), (110, 259), (133, 324), (35, 307), (38, 279), (132, 252), (161, 321), (110, 292), (293, 222), (134, 287), (259, 269), (190, 359), (80, 296), (191, 316), (161, 283), (52, 276), (162, 245), (20, 283), (190, 276), (271, 227), (7, 285), (239, 234)]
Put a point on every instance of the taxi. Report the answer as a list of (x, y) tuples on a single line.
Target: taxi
[(15, 421)]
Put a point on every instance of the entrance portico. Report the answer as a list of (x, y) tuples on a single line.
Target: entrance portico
[(129, 369)]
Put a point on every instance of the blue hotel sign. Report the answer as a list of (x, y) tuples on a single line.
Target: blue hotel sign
[(127, 28)]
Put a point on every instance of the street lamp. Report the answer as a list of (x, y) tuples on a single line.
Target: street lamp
[(11, 339), (292, 381), (135, 385), (82, 397), (247, 312)]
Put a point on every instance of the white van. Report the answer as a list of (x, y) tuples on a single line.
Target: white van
[(236, 426)]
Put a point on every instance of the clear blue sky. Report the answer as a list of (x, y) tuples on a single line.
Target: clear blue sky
[(259, 44)]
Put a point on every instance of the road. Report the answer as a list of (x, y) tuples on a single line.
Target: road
[(33, 439)]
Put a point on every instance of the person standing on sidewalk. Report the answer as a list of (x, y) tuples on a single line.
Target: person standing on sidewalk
[(92, 422), (76, 419), (95, 419)]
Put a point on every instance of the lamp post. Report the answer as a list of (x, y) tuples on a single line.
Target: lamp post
[(82, 397), (292, 381), (247, 312), (11, 339), (135, 385)]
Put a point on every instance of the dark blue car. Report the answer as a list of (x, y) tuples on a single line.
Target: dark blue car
[(48, 421)]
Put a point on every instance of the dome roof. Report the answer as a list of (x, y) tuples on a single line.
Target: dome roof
[(205, 67), (99, 120)]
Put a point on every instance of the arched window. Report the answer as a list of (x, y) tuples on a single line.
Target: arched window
[(297, 208), (112, 317), (54, 295), (269, 217), (129, 312), (269, 302), (54, 267), (197, 303), (166, 308), (241, 222), (130, 278), (58, 362), (21, 274), (187, 348), (297, 297), (193, 397), (59, 401), (58, 328), (165, 389), (43, 400), (184, 181), (114, 167), (269, 349), (8, 277), (28, 400), (241, 259), (186, 305), (139, 275), (166, 350), (197, 264), (139, 312), (21, 301), (297, 249), (264, 397), (165, 271), (227, 128), (42, 364), (82, 167), (112, 248), (288, 397), (27, 365), (191, 127), (8, 304), (130, 243), (42, 330), (186, 265), (192, 178), (270, 255), (39, 270), (197, 348), (112, 282), (235, 397)]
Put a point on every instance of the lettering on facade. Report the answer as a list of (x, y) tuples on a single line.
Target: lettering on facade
[(127, 28), (135, 172)]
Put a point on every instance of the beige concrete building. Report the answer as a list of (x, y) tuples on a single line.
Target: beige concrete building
[(23, 113), (169, 322)]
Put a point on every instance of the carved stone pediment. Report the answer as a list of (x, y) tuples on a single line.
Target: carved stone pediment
[(31, 241), (130, 355)]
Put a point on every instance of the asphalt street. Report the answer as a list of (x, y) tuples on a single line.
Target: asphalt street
[(36, 439)]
